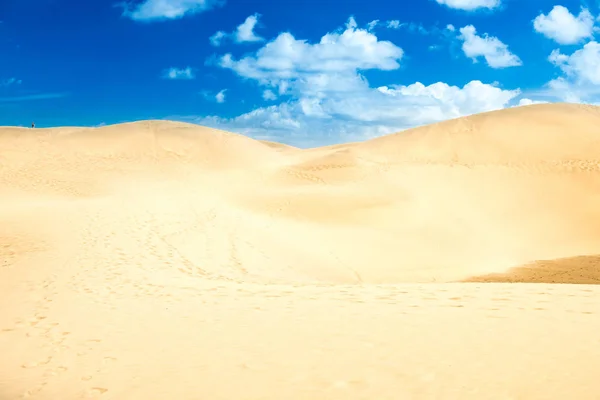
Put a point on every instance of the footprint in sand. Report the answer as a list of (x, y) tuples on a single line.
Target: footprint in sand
[(98, 390), (35, 364)]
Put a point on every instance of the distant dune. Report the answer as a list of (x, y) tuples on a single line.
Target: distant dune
[(279, 146), (236, 257)]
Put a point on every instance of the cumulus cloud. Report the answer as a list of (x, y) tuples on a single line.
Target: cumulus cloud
[(580, 81), (242, 34), (245, 32), (528, 102), (364, 113), (220, 97), (325, 98), (563, 27), (582, 65), (287, 62), (217, 97), (179, 73), (453, 101), (269, 95), (470, 5), (495, 53), (153, 10), (217, 38)]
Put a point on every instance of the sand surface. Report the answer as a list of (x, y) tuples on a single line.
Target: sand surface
[(161, 260)]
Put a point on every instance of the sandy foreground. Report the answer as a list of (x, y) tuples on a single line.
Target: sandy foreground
[(160, 260)]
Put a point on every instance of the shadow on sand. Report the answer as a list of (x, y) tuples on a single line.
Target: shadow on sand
[(573, 270)]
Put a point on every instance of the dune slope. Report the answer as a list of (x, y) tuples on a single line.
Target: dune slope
[(159, 259)]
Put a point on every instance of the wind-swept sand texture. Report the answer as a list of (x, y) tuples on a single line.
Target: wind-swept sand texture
[(161, 260)]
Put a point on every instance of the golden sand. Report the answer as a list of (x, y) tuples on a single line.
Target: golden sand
[(162, 260)]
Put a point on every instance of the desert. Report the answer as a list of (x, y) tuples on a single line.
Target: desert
[(166, 260)]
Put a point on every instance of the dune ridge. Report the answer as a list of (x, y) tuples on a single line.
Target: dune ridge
[(160, 259)]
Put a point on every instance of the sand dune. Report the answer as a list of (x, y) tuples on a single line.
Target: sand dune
[(159, 259), (279, 146)]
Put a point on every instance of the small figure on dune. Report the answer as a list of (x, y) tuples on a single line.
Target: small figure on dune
[(32, 125)]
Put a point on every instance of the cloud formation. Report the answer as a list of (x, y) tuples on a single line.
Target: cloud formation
[(470, 5), (154, 10), (244, 33), (269, 95), (563, 27), (289, 63), (325, 98), (495, 53), (393, 24), (364, 113), (220, 97), (580, 81), (179, 73)]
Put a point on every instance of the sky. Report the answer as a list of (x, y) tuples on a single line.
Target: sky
[(306, 73)]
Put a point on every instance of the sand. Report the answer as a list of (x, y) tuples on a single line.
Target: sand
[(162, 260)]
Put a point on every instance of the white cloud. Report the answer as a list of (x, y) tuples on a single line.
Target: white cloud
[(242, 34), (393, 24), (151, 10), (528, 102), (220, 97), (563, 27), (371, 25), (564, 90), (269, 95), (10, 82), (496, 53), (286, 61), (583, 65), (581, 74), (363, 113), (454, 101), (351, 23), (396, 24), (328, 100), (470, 5), (245, 32), (217, 38), (179, 73), (450, 27)]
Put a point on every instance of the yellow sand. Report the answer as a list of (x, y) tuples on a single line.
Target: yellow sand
[(161, 260)]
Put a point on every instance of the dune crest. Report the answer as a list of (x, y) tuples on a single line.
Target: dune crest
[(487, 192)]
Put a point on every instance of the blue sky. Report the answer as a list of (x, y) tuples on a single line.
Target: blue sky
[(302, 72)]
